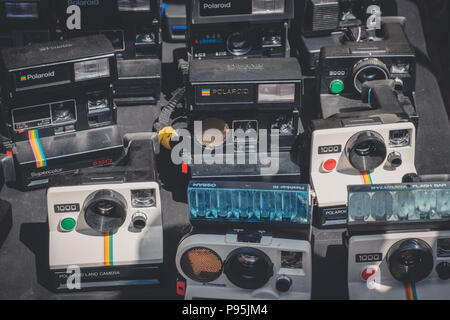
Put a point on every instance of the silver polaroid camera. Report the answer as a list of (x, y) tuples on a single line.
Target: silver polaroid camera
[(231, 254), (399, 241), (374, 143), (106, 230)]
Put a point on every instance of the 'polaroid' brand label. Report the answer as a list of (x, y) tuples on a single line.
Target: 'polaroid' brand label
[(338, 213), (42, 77), (210, 8), (225, 94), (83, 3)]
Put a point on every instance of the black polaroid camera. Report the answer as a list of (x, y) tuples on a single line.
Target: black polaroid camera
[(345, 68), (321, 23), (238, 28), (25, 22), (244, 108), (58, 113), (133, 28)]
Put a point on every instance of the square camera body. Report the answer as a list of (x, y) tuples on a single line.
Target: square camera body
[(215, 267), (58, 111), (238, 28), (252, 97), (112, 232), (24, 22), (344, 69), (399, 241), (373, 145)]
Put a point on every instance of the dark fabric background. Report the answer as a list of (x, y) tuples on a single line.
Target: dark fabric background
[(24, 255)]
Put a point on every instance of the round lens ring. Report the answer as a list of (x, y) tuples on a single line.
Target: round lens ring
[(238, 44), (366, 150), (248, 268), (410, 261), (368, 70), (105, 211)]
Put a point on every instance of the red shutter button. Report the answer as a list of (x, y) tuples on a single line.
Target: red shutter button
[(329, 165), (368, 273)]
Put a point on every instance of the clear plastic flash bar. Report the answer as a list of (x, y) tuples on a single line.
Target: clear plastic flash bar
[(399, 203), (249, 202)]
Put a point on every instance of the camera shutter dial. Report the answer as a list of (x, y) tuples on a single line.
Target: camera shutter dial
[(443, 270), (284, 283), (368, 70), (105, 211), (410, 260), (366, 151), (248, 268)]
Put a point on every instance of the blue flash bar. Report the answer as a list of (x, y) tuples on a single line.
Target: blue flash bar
[(255, 202), (397, 203)]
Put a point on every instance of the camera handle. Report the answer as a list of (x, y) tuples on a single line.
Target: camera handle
[(7, 170)]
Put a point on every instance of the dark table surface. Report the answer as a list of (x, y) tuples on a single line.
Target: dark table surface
[(24, 255)]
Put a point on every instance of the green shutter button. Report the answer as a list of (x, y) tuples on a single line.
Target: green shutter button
[(336, 86), (68, 224)]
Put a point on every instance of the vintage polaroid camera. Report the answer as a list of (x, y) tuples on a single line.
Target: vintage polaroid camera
[(253, 105), (345, 68), (399, 241), (107, 222), (134, 30), (321, 23), (250, 241), (57, 108), (238, 28), (24, 22), (373, 145)]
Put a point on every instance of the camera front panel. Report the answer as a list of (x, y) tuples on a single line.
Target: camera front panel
[(340, 157), (399, 266), (238, 40), (224, 267), (105, 225), (62, 114)]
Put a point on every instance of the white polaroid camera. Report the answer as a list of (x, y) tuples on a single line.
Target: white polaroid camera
[(399, 241), (106, 234), (373, 146), (246, 263)]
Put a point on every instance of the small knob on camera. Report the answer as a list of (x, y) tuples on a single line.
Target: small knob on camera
[(284, 283), (395, 159), (443, 270), (139, 220)]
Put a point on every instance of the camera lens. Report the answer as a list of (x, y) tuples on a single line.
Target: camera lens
[(248, 268), (369, 70), (366, 151), (238, 44), (105, 211), (410, 260)]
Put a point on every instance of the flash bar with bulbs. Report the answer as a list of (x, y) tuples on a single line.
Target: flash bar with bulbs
[(58, 65), (274, 83), (218, 11), (399, 206), (249, 203)]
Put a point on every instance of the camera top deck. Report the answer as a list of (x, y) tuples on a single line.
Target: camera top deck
[(226, 11), (58, 65)]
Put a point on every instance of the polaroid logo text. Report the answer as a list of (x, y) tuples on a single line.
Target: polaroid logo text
[(217, 5), (36, 76), (83, 3)]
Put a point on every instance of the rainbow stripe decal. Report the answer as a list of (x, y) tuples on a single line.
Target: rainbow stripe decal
[(411, 292), (33, 138), (367, 177), (206, 92), (108, 249)]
